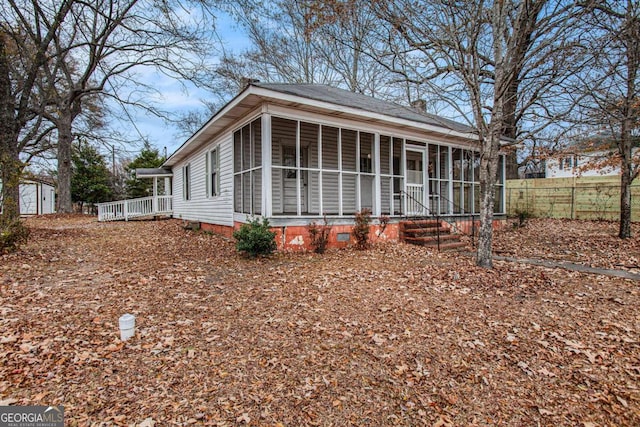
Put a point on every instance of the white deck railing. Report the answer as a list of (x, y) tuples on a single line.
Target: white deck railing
[(135, 208)]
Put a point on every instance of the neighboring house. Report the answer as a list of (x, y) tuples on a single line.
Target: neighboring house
[(533, 168), (295, 152), (37, 197), (593, 158)]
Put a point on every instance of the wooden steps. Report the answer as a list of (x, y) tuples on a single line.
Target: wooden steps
[(427, 232)]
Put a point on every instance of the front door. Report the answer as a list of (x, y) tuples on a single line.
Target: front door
[(415, 188)]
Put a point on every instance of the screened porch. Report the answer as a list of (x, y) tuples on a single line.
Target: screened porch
[(312, 169)]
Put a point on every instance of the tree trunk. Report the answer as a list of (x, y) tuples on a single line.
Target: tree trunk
[(10, 165), (510, 128), (624, 149), (488, 175), (10, 173), (65, 140), (625, 202), (630, 35)]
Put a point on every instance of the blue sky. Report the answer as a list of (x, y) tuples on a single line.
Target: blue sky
[(177, 97)]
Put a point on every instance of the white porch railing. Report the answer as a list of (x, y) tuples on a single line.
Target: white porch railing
[(415, 199), (135, 208)]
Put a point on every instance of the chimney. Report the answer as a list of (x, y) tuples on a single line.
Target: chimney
[(246, 81), (419, 105)]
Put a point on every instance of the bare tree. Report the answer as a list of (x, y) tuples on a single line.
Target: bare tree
[(290, 45), (281, 51), (27, 30), (99, 48), (350, 45), (496, 61), (611, 89)]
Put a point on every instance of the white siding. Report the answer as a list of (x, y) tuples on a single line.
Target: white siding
[(276, 181), (29, 199), (48, 199), (349, 194), (330, 193), (212, 210), (314, 192), (36, 198)]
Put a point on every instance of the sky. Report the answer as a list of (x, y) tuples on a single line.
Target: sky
[(176, 97)]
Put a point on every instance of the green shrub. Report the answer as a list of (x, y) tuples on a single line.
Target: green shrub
[(255, 238), (319, 234), (360, 231), (12, 235)]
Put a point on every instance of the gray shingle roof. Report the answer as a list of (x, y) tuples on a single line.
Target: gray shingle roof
[(345, 98)]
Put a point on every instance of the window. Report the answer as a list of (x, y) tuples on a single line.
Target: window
[(186, 182), (568, 162), (213, 173), (247, 169), (366, 189), (366, 152)]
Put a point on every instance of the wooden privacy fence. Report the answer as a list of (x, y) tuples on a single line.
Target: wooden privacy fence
[(593, 198)]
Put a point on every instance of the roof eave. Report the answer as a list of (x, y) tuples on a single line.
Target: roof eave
[(175, 156), (153, 173), (357, 112), (274, 95)]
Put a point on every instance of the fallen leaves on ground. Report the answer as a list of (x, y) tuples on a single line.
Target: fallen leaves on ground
[(591, 243), (397, 335)]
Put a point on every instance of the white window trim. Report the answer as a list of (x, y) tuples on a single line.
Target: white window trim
[(186, 182), (212, 192)]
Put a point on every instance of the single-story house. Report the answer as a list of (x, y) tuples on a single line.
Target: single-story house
[(37, 197), (294, 153)]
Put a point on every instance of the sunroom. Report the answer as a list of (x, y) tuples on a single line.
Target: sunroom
[(287, 169)]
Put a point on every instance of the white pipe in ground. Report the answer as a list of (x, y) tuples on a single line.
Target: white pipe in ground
[(127, 326)]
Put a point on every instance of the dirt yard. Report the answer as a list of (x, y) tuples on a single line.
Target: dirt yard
[(396, 335)]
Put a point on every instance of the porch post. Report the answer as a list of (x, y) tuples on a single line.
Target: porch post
[(377, 200), (154, 205), (266, 165), (450, 178), (403, 168), (340, 171), (298, 171), (358, 176), (320, 177)]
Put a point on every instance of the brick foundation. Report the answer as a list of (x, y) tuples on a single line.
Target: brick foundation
[(295, 238), (223, 230)]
